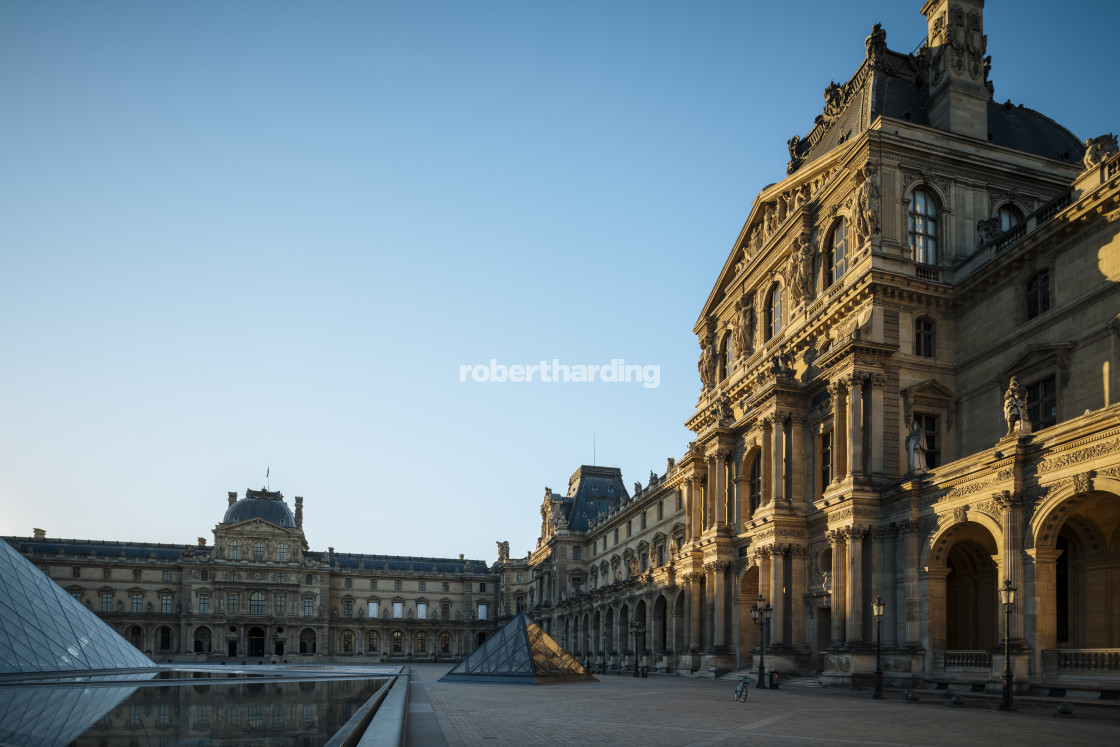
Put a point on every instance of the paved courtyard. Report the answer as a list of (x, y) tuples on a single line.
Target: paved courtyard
[(676, 711)]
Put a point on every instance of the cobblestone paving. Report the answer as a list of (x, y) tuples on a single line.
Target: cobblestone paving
[(662, 710)]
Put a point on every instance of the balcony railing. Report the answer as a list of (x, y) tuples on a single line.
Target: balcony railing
[(1089, 660), (967, 659)]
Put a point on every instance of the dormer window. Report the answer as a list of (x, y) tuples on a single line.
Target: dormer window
[(1009, 217)]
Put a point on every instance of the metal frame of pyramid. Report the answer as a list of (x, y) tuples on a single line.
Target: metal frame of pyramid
[(520, 653), (44, 629)]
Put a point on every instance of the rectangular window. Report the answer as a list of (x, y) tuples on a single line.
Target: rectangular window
[(106, 601), (233, 575), (629, 528), (520, 577), (445, 610), (76, 572), (1042, 403), (206, 575), (348, 608), (233, 604), (107, 573), (482, 612), (167, 575), (204, 603), (933, 439), (397, 585), (577, 553), (398, 609), (165, 604), (281, 605), (423, 586), (615, 535), (373, 583), (77, 595), (643, 519), (373, 611), (421, 611), (308, 607), (826, 461), (137, 603)]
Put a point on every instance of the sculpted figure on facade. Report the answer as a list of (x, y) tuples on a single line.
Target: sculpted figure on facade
[(743, 327), (916, 449), (1015, 408), (707, 366), (867, 204), (1098, 149), (986, 230), (799, 268), (876, 44), (794, 159)]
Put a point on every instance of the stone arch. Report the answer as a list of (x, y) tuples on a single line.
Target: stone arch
[(678, 622), (203, 640), (962, 576), (941, 539), (308, 643), (747, 589), (658, 636)]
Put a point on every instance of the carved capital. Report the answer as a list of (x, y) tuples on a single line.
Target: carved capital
[(1008, 500), (1083, 483)]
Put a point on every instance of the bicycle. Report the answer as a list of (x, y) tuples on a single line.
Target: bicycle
[(742, 688)]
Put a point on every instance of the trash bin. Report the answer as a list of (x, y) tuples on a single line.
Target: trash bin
[(773, 683), (645, 670)]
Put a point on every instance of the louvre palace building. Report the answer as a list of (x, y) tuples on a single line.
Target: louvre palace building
[(909, 374), (259, 592), (908, 382)]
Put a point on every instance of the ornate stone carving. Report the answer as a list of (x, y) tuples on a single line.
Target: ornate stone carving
[(1008, 500), (876, 44), (1080, 455), (866, 205), (1098, 149), (986, 230), (960, 514), (707, 364), (799, 268), (1083, 482), (1015, 409)]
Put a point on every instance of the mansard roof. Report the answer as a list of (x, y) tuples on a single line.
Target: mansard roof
[(96, 548), (892, 84), (593, 491), (406, 564)]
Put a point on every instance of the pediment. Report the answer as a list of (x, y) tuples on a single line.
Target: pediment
[(930, 389), (256, 526), (1036, 359)]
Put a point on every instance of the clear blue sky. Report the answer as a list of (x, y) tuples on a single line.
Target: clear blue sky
[(236, 235)]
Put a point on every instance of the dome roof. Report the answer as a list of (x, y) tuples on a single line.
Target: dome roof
[(260, 504)]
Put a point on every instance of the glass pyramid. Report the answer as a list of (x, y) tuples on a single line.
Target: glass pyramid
[(44, 629), (520, 653)]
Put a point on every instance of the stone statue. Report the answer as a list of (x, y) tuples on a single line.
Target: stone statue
[(652, 557), (986, 230), (503, 551), (707, 366), (652, 478), (674, 546), (1098, 149), (1015, 408), (867, 217), (916, 449), (799, 269), (794, 158), (633, 566), (637, 488)]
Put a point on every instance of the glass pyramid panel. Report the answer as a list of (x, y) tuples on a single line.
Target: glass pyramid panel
[(522, 653), (44, 629)]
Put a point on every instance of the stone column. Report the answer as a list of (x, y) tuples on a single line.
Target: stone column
[(798, 462), (762, 558), (798, 584), (1046, 595), (855, 424), (876, 421), (778, 595), (836, 538), (718, 573), (1011, 556), (718, 481), (694, 604), (839, 433), (778, 455), (687, 488), (882, 556), (911, 535), (854, 601)]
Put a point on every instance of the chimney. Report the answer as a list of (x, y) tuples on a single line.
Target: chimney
[(40, 533), (232, 498), (958, 91), (299, 512)]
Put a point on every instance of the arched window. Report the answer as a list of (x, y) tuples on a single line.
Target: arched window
[(445, 643), (756, 483), (256, 603), (347, 642), (258, 550), (421, 643), (374, 642), (398, 642), (923, 227), (282, 552), (235, 550), (774, 313), (1038, 294), (925, 338), (836, 259), (728, 355), (1009, 217)]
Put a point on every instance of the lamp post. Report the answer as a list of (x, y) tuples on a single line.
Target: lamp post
[(760, 613), (638, 628), (877, 610), (1007, 598)]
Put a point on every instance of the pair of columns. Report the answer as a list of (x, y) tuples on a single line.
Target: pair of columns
[(857, 407)]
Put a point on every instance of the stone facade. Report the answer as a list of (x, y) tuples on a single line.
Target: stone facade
[(909, 371), (259, 592)]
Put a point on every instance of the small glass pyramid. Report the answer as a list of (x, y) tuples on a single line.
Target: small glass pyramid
[(520, 653)]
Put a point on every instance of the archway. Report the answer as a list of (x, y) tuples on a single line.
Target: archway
[(136, 637), (202, 640), (678, 638), (307, 641), (658, 640), (962, 613), (256, 641), (748, 631)]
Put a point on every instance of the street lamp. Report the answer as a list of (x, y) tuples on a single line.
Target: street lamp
[(760, 613), (638, 628), (877, 610), (1007, 599)]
